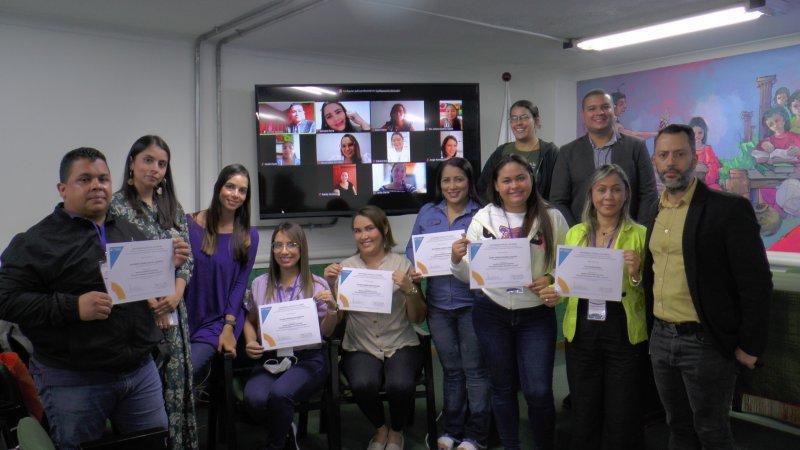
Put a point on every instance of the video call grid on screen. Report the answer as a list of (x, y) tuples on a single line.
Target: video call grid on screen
[(327, 150)]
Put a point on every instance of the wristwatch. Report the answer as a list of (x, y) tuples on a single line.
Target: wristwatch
[(230, 322), (413, 291)]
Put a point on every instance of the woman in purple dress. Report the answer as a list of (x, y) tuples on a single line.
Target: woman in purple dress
[(224, 249)]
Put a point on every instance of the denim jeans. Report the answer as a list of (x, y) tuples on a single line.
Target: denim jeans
[(397, 375), (695, 383), (77, 404), (519, 347), (270, 398), (465, 382), (201, 356)]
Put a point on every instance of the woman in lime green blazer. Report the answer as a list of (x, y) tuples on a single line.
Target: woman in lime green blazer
[(606, 350)]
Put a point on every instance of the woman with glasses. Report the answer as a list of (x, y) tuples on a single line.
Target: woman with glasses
[(382, 351), (224, 250), (524, 120), (516, 329), (275, 386)]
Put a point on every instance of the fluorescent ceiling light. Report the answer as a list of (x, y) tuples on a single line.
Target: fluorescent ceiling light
[(675, 28), (314, 90)]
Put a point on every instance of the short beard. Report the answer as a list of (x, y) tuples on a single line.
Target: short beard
[(679, 184)]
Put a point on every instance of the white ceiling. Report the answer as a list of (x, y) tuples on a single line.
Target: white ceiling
[(461, 32)]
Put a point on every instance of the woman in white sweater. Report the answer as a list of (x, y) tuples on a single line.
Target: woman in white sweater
[(516, 330)]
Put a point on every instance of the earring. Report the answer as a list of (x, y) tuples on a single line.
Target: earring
[(130, 178), (158, 189)]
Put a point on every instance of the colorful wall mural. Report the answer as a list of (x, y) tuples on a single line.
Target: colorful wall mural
[(746, 108)]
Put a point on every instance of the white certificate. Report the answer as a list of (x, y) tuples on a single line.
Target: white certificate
[(432, 252), (289, 324), (500, 263), (139, 270), (589, 272), (365, 290)]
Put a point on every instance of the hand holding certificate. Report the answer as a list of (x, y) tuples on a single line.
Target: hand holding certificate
[(289, 324), (500, 263), (365, 290), (139, 270), (432, 252), (589, 272)]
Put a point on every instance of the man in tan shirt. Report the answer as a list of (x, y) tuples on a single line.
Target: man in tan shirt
[(708, 286)]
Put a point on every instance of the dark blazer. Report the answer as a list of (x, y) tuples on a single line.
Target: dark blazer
[(726, 268), (575, 164)]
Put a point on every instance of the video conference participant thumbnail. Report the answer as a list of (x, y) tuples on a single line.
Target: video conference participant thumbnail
[(399, 177), (450, 115), (407, 115), (344, 148), (286, 117), (398, 146), (347, 117)]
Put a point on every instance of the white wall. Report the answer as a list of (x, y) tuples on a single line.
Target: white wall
[(65, 88), (61, 88)]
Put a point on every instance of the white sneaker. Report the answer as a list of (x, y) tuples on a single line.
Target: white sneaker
[(445, 443), (467, 445)]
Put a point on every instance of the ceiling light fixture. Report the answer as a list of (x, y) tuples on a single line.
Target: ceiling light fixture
[(674, 28)]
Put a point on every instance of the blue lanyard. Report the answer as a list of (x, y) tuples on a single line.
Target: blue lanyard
[(101, 232), (613, 236), (294, 289)]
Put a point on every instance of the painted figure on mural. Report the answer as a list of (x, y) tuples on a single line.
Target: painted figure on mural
[(707, 163)]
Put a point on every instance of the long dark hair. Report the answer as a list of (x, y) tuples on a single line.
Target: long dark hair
[(348, 125), (356, 148), (456, 124), (166, 202), (536, 206), (444, 144), (378, 218), (241, 218), (464, 166)]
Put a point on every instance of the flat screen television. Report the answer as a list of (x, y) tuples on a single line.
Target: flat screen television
[(327, 150)]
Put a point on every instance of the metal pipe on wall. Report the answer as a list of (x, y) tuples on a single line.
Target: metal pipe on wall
[(237, 34), (197, 46)]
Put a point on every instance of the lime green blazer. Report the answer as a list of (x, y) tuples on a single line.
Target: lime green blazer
[(632, 236)]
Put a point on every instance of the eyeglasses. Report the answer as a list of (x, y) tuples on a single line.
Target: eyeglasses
[(522, 118), (279, 246)]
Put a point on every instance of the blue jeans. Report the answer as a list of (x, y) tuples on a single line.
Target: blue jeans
[(77, 404), (519, 347), (201, 356), (271, 397), (695, 383), (465, 378)]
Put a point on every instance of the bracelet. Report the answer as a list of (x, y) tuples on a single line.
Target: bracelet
[(413, 291), (230, 322), (635, 281)]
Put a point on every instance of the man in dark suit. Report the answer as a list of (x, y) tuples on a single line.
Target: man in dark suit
[(707, 286), (601, 145)]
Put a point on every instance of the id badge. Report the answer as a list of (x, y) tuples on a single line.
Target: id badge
[(597, 310), (281, 352), (514, 290)]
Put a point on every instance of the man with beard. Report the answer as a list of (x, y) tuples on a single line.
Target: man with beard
[(707, 286), (601, 145)]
